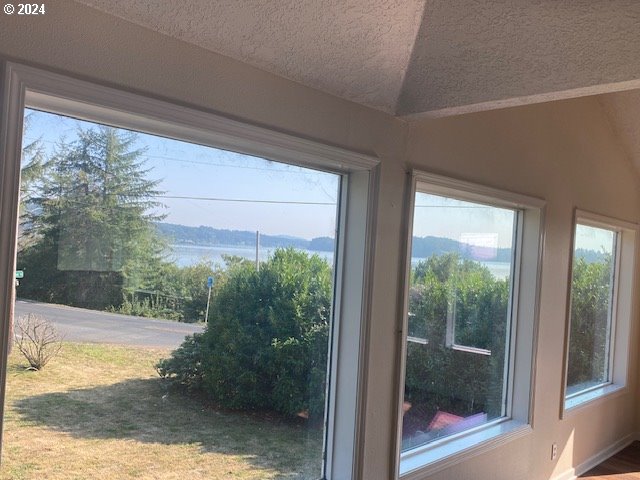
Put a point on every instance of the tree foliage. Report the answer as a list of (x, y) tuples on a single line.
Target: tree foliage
[(439, 377), (91, 221), (266, 344), (32, 173), (171, 292), (590, 304)]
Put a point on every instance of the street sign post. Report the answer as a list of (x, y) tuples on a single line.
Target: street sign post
[(209, 284)]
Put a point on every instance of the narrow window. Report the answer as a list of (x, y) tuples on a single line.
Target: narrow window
[(599, 311), (460, 306), (592, 294)]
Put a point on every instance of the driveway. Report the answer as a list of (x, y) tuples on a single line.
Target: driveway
[(80, 325)]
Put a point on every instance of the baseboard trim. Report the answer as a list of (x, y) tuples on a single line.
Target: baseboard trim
[(598, 458)]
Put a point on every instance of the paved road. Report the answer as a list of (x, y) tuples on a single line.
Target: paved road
[(80, 325)]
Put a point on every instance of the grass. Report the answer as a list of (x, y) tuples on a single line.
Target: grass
[(101, 412)]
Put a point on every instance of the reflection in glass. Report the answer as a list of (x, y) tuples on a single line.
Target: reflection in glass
[(459, 317), (591, 303)]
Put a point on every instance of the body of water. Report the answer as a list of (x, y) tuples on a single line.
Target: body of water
[(185, 255)]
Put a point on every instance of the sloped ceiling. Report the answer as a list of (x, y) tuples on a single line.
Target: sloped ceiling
[(469, 54), (623, 110), (424, 58), (416, 58), (355, 49)]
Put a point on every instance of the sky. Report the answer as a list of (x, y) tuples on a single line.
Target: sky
[(593, 238), (487, 226), (211, 178), (471, 223)]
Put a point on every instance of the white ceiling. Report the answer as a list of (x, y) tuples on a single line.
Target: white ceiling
[(355, 49), (415, 58), (470, 53)]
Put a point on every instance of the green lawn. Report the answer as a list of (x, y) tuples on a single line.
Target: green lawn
[(101, 412)]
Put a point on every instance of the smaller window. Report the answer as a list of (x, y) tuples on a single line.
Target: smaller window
[(470, 308), (599, 308)]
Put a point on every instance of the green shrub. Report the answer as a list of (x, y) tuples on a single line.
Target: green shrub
[(590, 294), (437, 376), (147, 307), (265, 346), (185, 364)]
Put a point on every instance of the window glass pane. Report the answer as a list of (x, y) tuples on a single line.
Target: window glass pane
[(591, 303), (150, 240), (459, 317)]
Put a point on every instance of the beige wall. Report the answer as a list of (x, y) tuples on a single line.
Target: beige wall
[(563, 152)]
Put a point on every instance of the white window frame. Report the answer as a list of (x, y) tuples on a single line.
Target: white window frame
[(517, 421), (620, 317), (450, 334), (27, 86)]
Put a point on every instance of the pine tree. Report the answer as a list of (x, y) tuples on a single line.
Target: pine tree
[(32, 173), (93, 220)]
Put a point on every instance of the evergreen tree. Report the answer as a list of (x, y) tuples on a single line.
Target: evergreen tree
[(93, 218), (31, 177)]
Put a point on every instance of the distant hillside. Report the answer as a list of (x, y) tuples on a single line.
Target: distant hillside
[(423, 247), (208, 236)]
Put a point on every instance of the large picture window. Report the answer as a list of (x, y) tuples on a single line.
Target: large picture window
[(110, 196), (598, 308), (160, 234), (472, 249)]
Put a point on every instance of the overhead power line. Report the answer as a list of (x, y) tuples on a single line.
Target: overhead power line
[(298, 171), (242, 200)]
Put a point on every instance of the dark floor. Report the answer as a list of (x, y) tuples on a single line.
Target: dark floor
[(624, 465)]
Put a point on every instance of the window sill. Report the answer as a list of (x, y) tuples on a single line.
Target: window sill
[(423, 461), (578, 400)]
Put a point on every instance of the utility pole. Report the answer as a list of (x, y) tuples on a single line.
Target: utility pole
[(257, 250)]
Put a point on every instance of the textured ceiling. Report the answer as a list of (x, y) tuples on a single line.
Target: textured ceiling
[(471, 52), (416, 57), (623, 110), (355, 49)]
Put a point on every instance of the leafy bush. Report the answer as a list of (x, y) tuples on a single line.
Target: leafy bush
[(437, 376), (147, 307), (184, 367), (265, 346), (172, 292), (590, 294)]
